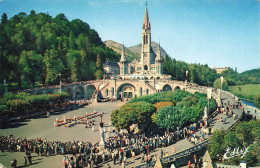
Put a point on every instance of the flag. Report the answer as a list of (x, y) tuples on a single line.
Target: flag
[(221, 79), (209, 91)]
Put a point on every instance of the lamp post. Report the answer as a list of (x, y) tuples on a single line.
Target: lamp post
[(60, 81), (168, 122), (5, 86), (101, 122), (209, 91), (221, 83), (187, 77)]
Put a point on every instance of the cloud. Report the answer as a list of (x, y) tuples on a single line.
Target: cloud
[(1, 1)]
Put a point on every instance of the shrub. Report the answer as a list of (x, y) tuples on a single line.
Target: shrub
[(133, 113), (159, 105)]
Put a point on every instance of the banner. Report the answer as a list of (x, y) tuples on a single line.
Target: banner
[(209, 91), (221, 79)]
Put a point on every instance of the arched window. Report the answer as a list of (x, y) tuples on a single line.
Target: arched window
[(106, 92), (112, 92), (147, 91)]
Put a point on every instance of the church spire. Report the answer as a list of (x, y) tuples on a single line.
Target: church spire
[(146, 24), (123, 57), (159, 57)]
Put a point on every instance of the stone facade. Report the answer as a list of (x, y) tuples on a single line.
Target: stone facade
[(220, 70)]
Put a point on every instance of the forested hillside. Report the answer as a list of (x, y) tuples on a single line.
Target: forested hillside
[(204, 75), (37, 47), (117, 47), (254, 73)]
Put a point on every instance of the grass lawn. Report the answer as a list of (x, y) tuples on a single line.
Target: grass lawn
[(249, 91)]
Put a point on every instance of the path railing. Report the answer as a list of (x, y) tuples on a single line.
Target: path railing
[(185, 152), (219, 165)]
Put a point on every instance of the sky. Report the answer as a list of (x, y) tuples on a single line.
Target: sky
[(220, 33)]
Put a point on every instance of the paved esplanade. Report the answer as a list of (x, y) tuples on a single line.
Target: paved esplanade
[(43, 128)]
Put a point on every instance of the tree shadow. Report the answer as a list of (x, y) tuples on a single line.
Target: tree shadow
[(3, 154), (28, 165), (12, 125)]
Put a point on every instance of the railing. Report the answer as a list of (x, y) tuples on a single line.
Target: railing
[(58, 86), (95, 94), (147, 83), (177, 155), (185, 152), (219, 165), (104, 86)]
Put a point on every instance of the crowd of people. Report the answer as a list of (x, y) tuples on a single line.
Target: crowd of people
[(119, 147), (51, 107)]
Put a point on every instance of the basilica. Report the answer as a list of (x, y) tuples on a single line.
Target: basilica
[(150, 65)]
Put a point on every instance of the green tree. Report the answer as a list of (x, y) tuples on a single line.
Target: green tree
[(133, 113), (216, 145), (4, 19), (99, 71), (74, 62), (217, 84), (31, 66), (257, 101), (72, 44), (168, 118), (54, 66)]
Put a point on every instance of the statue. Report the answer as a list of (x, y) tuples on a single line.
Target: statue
[(102, 141), (205, 113)]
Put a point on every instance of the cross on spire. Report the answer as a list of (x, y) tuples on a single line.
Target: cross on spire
[(146, 24)]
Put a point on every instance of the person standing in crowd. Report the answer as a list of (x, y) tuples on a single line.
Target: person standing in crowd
[(189, 164), (200, 163), (13, 163), (114, 158), (29, 156), (25, 161)]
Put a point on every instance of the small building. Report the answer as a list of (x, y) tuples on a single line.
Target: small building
[(220, 70)]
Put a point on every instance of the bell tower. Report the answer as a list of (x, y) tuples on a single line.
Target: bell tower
[(146, 42), (123, 63)]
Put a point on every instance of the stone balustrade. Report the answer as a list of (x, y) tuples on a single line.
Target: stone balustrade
[(220, 165)]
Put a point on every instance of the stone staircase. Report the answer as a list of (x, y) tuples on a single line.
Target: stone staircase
[(148, 84), (94, 96), (104, 86)]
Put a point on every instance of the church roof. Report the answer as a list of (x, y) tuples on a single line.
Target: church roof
[(206, 157), (159, 57), (123, 57), (158, 163), (135, 61), (111, 63), (146, 19)]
